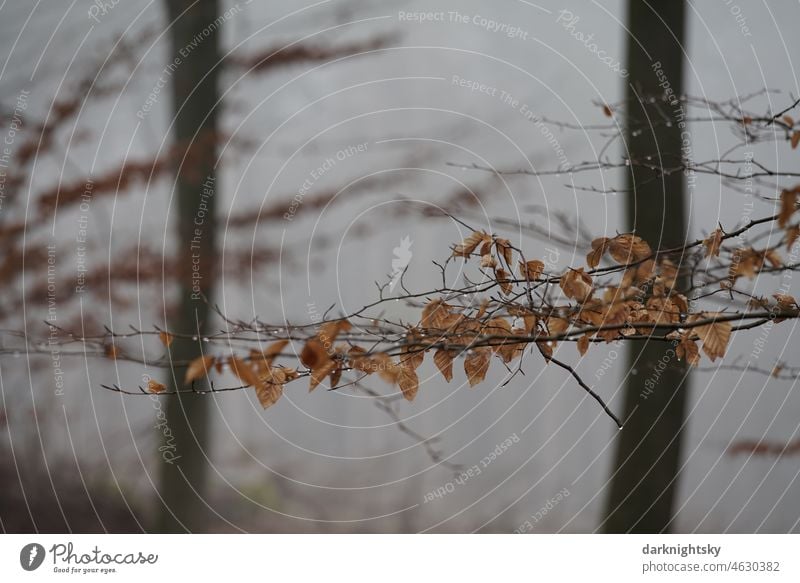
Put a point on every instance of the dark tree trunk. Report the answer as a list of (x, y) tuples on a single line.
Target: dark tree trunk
[(649, 446), (195, 43)]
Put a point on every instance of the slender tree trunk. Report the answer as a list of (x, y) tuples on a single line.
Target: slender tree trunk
[(194, 57), (649, 446)]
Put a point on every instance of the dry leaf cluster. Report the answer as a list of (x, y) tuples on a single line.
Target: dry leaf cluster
[(626, 290)]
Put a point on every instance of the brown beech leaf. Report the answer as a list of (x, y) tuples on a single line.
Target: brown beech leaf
[(317, 351), (628, 248), (336, 376), (243, 371), (476, 365), (506, 349), (746, 262), (434, 315), (388, 369), (687, 350), (111, 351), (607, 111), (667, 272), (773, 257), (795, 139), (359, 360), (314, 354), (792, 233), (788, 205), (502, 277), (583, 344), (198, 368), (715, 335), (318, 374), (270, 386), (380, 363), (599, 247), (155, 387), (166, 338), (263, 358), (681, 302), (483, 307), (785, 301), (628, 278), (268, 393), (444, 362), (758, 303), (468, 246), (330, 330), (531, 270), (616, 314), (557, 326), (503, 247), (662, 310), (530, 321), (576, 285), (511, 350), (488, 261), (408, 382), (713, 243), (591, 312), (496, 327), (640, 273), (412, 358)]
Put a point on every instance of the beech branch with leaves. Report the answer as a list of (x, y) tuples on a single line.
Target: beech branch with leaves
[(497, 314), (507, 304)]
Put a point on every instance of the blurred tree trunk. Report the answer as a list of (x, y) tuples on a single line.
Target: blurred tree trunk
[(194, 56), (648, 449)]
